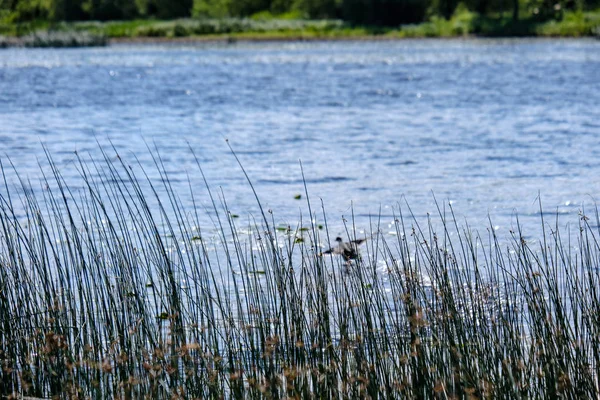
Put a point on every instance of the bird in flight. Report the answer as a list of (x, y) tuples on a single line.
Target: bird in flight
[(348, 250)]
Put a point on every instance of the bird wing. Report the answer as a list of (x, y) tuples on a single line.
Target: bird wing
[(346, 248), (333, 250)]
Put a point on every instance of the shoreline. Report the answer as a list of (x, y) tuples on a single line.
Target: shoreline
[(232, 39), (190, 31), (11, 42)]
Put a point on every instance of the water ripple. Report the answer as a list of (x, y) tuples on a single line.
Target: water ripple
[(487, 123)]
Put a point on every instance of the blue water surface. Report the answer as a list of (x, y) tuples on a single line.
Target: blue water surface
[(485, 125)]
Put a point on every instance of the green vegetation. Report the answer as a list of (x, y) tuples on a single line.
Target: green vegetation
[(113, 288), (301, 18), (55, 39), (374, 12), (462, 23)]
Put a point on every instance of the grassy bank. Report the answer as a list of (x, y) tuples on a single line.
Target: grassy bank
[(111, 287), (463, 23)]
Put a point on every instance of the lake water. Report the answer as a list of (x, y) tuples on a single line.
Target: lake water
[(484, 124)]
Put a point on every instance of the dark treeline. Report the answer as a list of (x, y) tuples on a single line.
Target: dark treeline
[(361, 12)]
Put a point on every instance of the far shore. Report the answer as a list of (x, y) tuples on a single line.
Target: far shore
[(231, 39), (272, 38), (301, 38), (93, 33), (234, 39)]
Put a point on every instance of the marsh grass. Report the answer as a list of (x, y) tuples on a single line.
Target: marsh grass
[(112, 287), (48, 38)]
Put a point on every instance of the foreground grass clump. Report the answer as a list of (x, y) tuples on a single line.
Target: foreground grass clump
[(116, 289)]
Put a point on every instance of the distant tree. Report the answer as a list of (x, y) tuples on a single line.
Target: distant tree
[(26, 10), (103, 10), (318, 8), (281, 6), (485, 7), (543, 10), (242, 8), (446, 8), (169, 9), (384, 12), (366, 12), (211, 8), (479, 6), (66, 10)]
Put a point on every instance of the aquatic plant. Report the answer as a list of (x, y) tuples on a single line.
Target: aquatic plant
[(55, 39), (194, 27), (112, 287)]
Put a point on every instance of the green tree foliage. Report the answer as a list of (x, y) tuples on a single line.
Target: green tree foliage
[(26, 10), (281, 6), (445, 8), (359, 12), (240, 8), (318, 8), (66, 10), (230, 8), (211, 8), (243, 8), (103, 10), (384, 12), (168, 9)]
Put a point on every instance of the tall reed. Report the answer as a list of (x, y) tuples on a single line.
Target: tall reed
[(115, 288)]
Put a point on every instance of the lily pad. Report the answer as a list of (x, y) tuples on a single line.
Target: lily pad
[(163, 316)]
